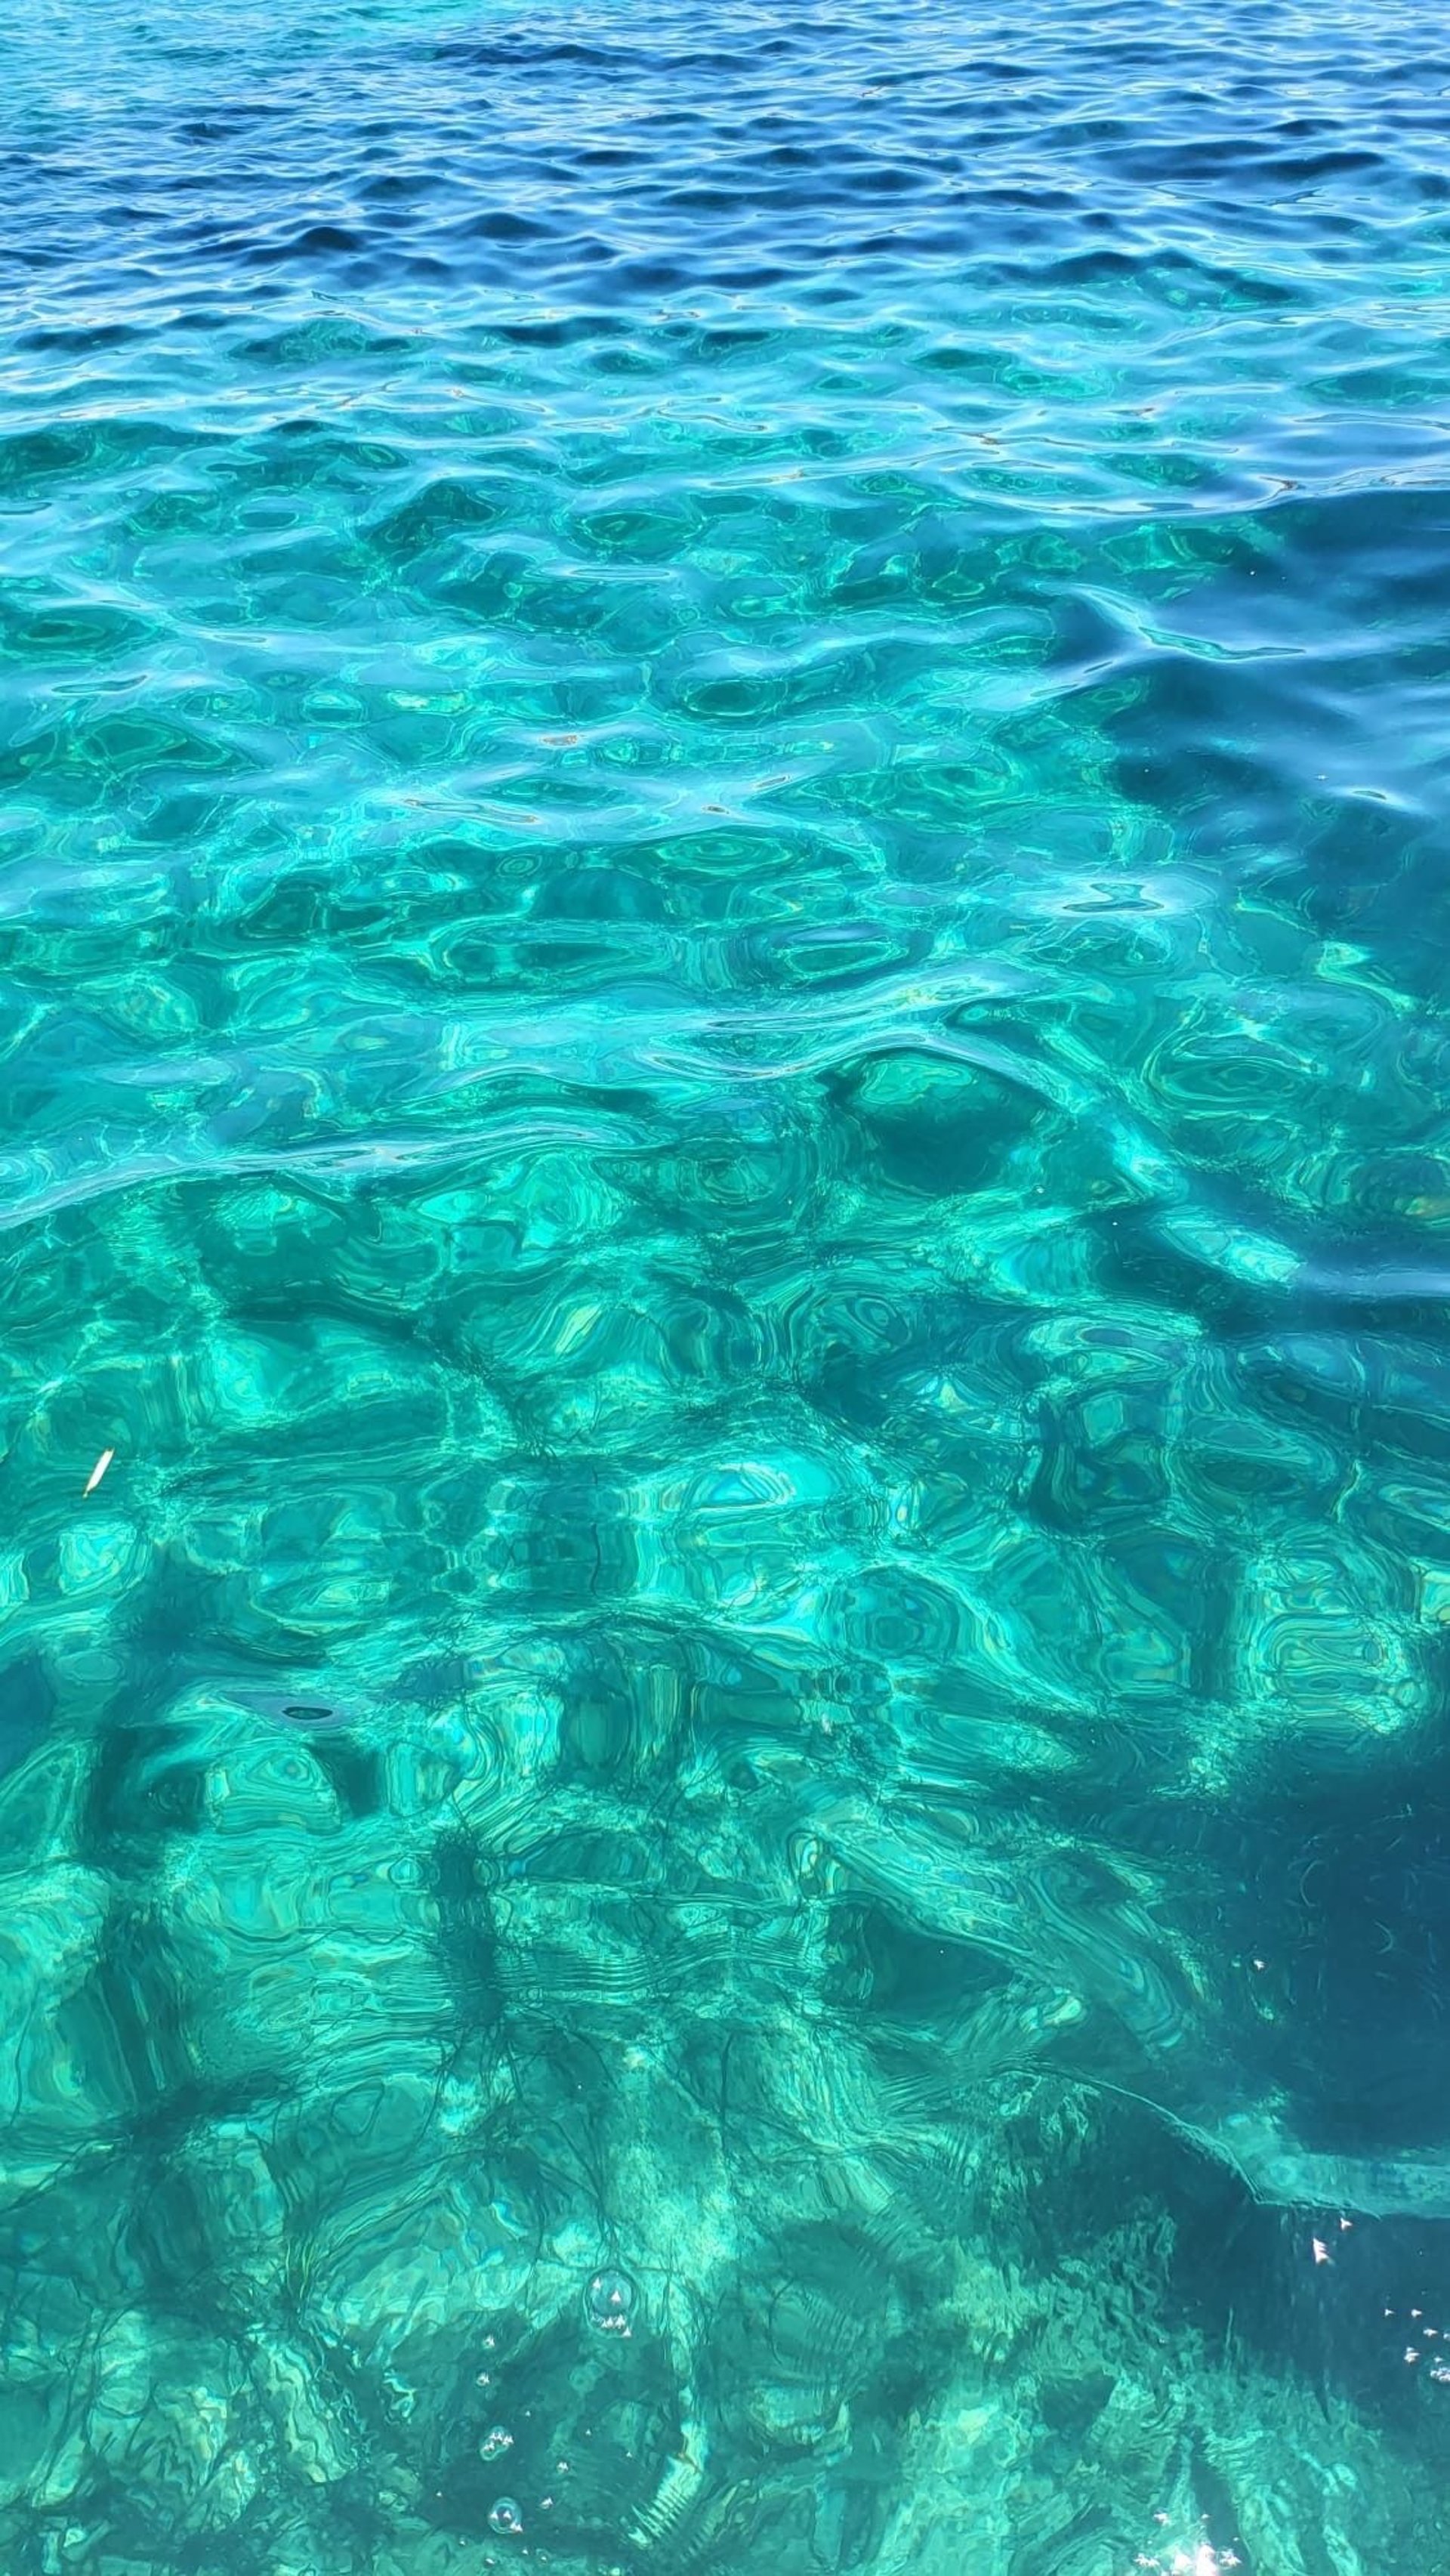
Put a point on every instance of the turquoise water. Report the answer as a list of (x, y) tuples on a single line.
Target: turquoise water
[(725, 1233)]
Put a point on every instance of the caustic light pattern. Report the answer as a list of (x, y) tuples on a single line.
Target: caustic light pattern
[(724, 1239)]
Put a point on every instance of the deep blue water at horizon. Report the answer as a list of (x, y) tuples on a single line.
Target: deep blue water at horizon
[(724, 1253)]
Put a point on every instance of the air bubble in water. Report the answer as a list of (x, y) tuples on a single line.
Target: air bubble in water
[(609, 2299), (495, 2442), (506, 2516)]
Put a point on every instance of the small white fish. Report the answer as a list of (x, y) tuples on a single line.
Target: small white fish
[(1321, 2250), (99, 1469)]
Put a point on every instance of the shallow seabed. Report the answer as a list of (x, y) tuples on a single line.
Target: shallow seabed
[(725, 1068)]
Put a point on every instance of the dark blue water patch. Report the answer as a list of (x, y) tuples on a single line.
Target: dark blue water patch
[(456, 94)]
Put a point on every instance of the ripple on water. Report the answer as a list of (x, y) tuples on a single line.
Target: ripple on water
[(723, 928)]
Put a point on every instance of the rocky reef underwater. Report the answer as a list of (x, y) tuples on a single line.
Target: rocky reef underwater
[(620, 2103)]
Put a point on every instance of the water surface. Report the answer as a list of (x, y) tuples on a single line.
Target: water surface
[(724, 1068)]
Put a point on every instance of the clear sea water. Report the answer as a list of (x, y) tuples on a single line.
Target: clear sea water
[(724, 1253)]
